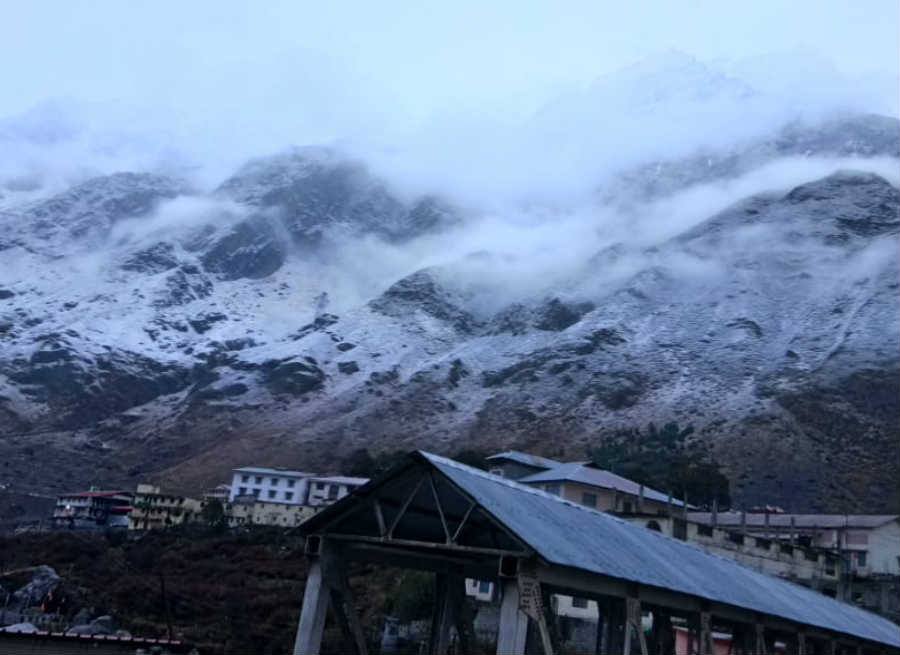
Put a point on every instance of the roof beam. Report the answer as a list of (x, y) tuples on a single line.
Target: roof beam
[(462, 523), (440, 508), (430, 545), (406, 505)]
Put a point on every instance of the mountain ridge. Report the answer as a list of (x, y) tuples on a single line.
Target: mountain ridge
[(207, 341)]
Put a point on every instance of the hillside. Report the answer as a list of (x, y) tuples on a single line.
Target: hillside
[(150, 329)]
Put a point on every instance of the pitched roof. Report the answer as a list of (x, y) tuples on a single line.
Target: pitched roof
[(824, 521), (568, 534), (527, 459), (585, 474)]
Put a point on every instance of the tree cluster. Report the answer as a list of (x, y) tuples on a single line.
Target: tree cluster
[(666, 459)]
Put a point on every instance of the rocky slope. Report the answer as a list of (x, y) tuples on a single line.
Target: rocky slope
[(150, 330)]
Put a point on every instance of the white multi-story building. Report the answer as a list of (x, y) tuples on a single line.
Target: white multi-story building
[(270, 485)]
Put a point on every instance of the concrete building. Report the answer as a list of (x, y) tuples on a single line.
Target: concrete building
[(247, 511), (270, 485), (282, 497), (154, 510), (323, 491), (862, 550), (870, 543), (221, 492), (92, 510), (810, 566), (516, 465), (603, 490)]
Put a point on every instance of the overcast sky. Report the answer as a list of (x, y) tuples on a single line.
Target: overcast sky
[(267, 74), (422, 54)]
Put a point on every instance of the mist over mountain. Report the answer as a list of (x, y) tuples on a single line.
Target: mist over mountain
[(676, 241)]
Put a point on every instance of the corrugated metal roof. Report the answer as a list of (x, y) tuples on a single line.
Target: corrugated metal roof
[(571, 535), (584, 474), (264, 470), (808, 521), (527, 459), (340, 479)]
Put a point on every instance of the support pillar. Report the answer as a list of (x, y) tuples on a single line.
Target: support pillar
[(616, 621), (662, 637), (633, 626), (449, 592), (312, 616), (513, 622), (706, 640), (759, 643)]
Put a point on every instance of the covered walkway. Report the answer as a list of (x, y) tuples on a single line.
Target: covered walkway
[(430, 513)]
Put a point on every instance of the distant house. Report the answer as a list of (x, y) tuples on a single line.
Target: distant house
[(154, 509), (515, 465), (326, 490), (247, 511), (869, 542), (282, 497), (603, 490), (270, 485), (92, 510), (221, 492), (587, 485)]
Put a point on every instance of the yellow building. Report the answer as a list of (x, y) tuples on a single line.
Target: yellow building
[(249, 511), (153, 509)]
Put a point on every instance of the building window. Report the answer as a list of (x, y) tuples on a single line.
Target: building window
[(787, 549), (654, 525), (626, 507), (679, 529), (242, 491), (274, 482), (272, 493), (736, 538), (765, 544), (320, 486), (552, 489), (580, 603), (861, 558), (705, 530), (810, 555), (245, 478), (258, 479), (289, 495), (333, 492), (484, 587), (256, 492), (590, 500), (291, 484)]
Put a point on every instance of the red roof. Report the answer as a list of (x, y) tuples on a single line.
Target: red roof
[(95, 494)]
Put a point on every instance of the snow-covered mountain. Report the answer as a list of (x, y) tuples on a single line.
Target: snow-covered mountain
[(306, 307)]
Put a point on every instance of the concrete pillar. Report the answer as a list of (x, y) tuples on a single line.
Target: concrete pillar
[(312, 615), (513, 622)]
